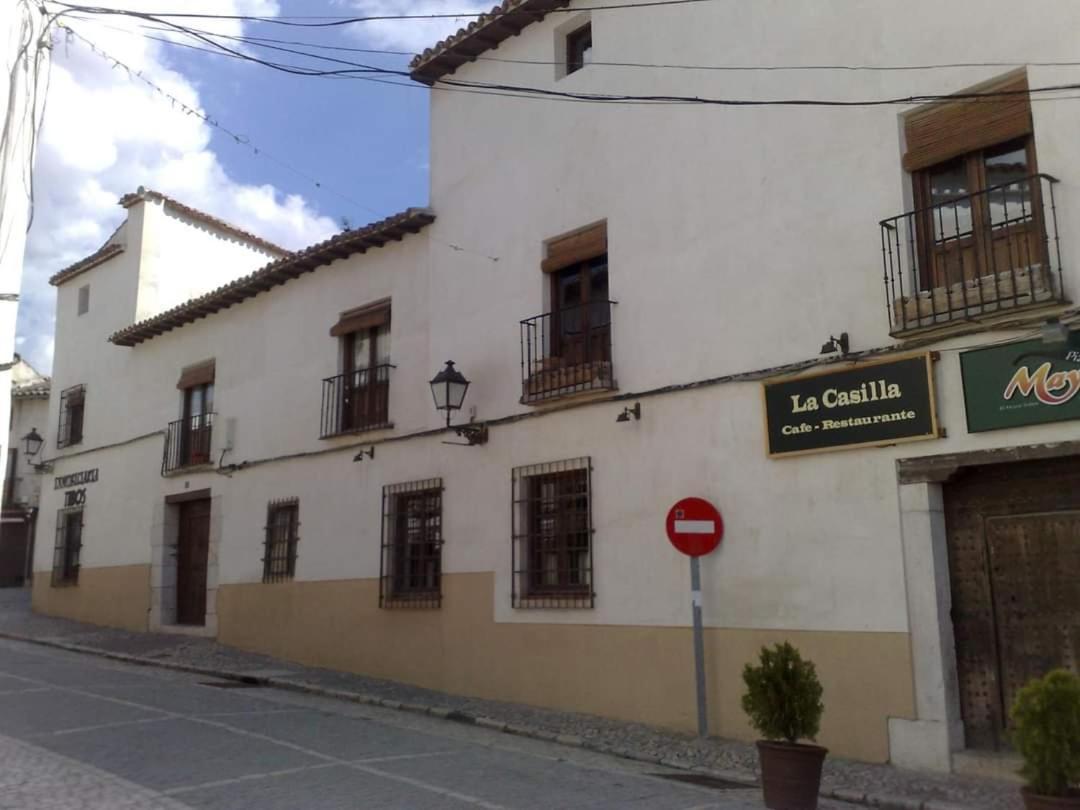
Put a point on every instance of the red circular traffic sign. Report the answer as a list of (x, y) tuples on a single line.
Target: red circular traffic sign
[(694, 527)]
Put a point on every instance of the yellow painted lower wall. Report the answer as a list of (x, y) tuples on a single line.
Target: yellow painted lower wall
[(642, 674), (115, 597)]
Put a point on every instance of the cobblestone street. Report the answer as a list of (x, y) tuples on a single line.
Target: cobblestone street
[(76, 732)]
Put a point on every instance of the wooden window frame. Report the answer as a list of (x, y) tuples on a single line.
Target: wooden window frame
[(577, 42), (281, 540), (569, 513), (83, 303), (72, 415), (410, 567), (373, 396), (981, 228), (67, 548)]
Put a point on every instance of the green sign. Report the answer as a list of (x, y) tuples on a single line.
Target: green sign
[(1018, 384), (876, 403)]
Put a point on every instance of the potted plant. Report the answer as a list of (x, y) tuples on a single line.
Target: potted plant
[(1046, 731), (783, 702)]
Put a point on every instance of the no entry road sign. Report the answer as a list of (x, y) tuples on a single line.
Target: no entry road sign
[(694, 527)]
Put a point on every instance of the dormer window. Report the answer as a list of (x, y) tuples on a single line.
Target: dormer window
[(578, 48)]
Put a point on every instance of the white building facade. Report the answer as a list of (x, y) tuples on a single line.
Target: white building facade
[(638, 295)]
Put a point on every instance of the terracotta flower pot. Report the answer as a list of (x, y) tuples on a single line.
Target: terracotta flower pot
[(1036, 801), (790, 774)]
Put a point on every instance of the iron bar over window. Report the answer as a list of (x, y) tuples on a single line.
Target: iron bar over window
[(972, 254), (410, 569), (358, 400), (69, 525), (72, 406), (282, 536), (187, 442), (552, 535)]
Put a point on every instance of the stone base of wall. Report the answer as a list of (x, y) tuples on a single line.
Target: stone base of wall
[(114, 597), (640, 674)]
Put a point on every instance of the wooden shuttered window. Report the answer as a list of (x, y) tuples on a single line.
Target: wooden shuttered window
[(72, 407), (199, 374), (575, 248), (366, 317), (943, 131)]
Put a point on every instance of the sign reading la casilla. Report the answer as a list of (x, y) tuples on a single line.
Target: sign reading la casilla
[(875, 403), (1016, 384)]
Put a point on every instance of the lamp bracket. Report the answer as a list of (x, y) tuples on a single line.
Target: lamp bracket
[(473, 434), (369, 452)]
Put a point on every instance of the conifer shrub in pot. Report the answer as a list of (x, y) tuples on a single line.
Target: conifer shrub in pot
[(1046, 732), (783, 702)]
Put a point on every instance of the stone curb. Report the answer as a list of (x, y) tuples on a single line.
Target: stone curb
[(883, 802)]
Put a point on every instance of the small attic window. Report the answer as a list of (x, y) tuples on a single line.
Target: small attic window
[(84, 299), (578, 48)]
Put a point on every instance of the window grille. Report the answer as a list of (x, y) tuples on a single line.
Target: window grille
[(552, 560), (72, 404), (410, 567), (69, 525), (282, 536)]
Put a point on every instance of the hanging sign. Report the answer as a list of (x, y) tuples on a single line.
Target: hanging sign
[(870, 404), (1026, 383)]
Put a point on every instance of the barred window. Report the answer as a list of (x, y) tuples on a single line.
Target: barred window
[(282, 535), (69, 524), (410, 570), (72, 404), (552, 535)]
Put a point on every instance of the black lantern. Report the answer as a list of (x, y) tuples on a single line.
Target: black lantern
[(448, 388), (32, 441)]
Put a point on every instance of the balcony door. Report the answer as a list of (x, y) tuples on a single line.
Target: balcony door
[(980, 215), (366, 388), (581, 313), (195, 434)]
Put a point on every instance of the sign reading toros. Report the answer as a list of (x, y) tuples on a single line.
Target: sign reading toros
[(694, 527), (1016, 384), (871, 404)]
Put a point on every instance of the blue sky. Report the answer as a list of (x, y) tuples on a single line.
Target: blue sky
[(106, 132)]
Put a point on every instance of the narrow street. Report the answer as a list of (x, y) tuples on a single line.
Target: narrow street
[(80, 732)]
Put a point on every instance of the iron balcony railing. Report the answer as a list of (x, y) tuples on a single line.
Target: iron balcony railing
[(187, 442), (976, 254), (566, 352), (358, 400)]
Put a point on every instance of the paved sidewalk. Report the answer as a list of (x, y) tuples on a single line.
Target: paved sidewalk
[(875, 785)]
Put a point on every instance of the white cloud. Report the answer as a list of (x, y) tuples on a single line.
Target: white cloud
[(410, 35), (106, 133)]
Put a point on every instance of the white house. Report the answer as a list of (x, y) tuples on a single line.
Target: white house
[(638, 295)]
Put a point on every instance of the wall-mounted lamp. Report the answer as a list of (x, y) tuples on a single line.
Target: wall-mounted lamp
[(1054, 333), (839, 344), (32, 442), (369, 452), (627, 413), (448, 388)]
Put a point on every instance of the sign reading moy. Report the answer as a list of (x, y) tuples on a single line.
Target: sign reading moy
[(883, 402), (1026, 383)]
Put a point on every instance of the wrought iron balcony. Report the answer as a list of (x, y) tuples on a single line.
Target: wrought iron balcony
[(567, 352), (187, 443), (356, 401), (974, 255)]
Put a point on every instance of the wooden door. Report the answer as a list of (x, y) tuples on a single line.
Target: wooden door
[(192, 557), (581, 314), (1014, 560)]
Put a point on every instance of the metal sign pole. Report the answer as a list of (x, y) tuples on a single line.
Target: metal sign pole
[(699, 647)]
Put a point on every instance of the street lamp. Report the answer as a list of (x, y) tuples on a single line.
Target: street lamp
[(32, 441), (448, 388)]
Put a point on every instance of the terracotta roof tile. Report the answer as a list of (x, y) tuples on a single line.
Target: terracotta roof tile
[(482, 34), (278, 272), (129, 200), (103, 253), (39, 389)]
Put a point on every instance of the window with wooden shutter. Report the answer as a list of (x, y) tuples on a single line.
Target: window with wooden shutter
[(359, 398), (552, 537)]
